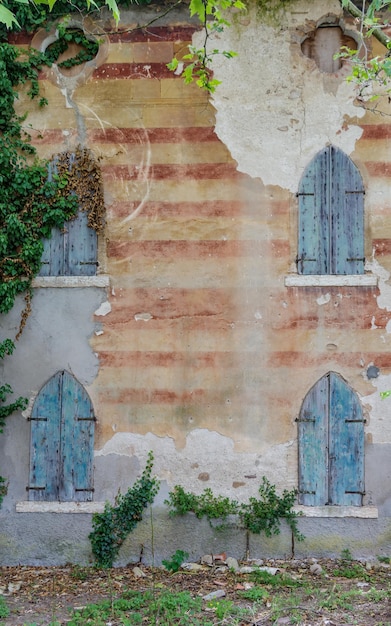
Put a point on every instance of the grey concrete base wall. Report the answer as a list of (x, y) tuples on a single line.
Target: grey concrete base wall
[(56, 539)]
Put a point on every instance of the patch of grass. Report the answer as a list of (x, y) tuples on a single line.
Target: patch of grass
[(4, 610), (384, 559), (136, 607), (352, 570), (263, 577), (256, 594)]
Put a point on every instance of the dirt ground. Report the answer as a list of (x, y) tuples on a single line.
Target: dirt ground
[(45, 596)]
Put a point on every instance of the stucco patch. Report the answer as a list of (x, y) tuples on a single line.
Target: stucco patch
[(271, 95), (207, 453)]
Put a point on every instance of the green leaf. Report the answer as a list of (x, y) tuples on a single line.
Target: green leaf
[(114, 9), (7, 17)]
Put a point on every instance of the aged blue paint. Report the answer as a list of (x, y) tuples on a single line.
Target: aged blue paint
[(73, 250), (331, 444), (62, 440), (331, 216)]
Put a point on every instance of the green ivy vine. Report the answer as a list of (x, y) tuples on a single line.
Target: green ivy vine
[(262, 514), (111, 527)]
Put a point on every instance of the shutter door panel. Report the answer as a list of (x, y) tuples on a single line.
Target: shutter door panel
[(76, 442), (346, 444), (313, 445), (347, 226), (331, 216), (83, 246), (313, 218), (45, 442), (71, 251)]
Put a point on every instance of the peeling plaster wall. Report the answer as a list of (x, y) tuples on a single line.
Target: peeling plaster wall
[(198, 351), (275, 127)]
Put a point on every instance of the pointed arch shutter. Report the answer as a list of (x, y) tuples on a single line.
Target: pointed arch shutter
[(313, 435), (331, 216), (331, 445), (346, 441), (62, 440)]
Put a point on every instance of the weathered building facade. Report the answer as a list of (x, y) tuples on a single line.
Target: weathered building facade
[(238, 321)]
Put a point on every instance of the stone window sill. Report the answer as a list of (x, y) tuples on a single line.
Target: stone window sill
[(59, 507), (365, 512), (102, 280), (332, 280)]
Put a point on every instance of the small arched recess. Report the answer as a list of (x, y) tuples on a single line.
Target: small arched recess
[(331, 444)]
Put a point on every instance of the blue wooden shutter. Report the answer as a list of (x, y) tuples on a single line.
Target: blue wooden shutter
[(313, 435), (313, 250), (331, 216), (45, 442), (347, 215), (346, 444), (331, 445), (73, 250), (77, 440), (62, 440)]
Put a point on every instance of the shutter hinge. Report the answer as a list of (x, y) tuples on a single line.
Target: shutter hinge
[(88, 263), (305, 419), (86, 419), (355, 421), (356, 259), (311, 493), (37, 419), (92, 489), (356, 192), (35, 488), (361, 493), (302, 193)]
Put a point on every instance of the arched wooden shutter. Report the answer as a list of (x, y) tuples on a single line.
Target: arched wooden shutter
[(331, 445), (73, 250), (62, 440), (313, 445), (346, 441), (331, 216)]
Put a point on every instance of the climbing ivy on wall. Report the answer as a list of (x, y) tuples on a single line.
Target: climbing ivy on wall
[(31, 204)]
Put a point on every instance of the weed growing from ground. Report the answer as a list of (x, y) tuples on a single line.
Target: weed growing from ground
[(174, 564)]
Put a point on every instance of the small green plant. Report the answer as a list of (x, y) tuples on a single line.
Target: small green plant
[(111, 527), (352, 570), (346, 555), (4, 610), (384, 559), (262, 514), (263, 577), (80, 573), (174, 564), (205, 505)]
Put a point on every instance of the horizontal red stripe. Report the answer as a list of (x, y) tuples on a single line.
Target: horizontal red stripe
[(195, 171), (347, 359), (376, 131), (241, 360), (382, 246), (196, 249), (152, 135), (378, 169), (197, 360), (189, 210)]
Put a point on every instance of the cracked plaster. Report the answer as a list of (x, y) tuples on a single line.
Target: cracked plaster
[(269, 104)]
